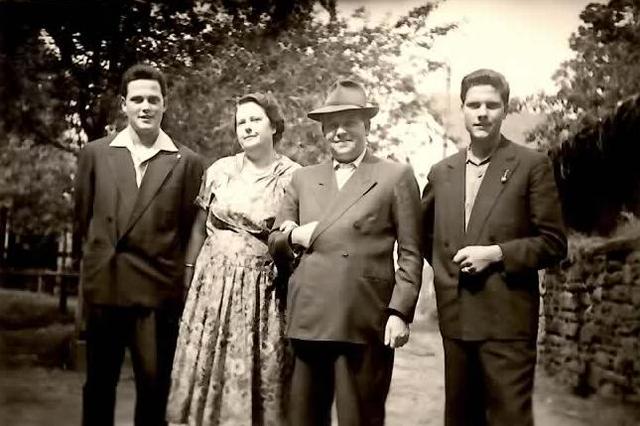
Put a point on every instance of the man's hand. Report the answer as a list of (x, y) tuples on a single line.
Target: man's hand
[(396, 333), (287, 226), (475, 259), (301, 235)]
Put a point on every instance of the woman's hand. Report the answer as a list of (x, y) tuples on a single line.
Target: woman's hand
[(287, 226)]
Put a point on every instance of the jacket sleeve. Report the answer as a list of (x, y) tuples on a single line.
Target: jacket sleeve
[(191, 185), (84, 189), (279, 242), (407, 221), (548, 244), (428, 208)]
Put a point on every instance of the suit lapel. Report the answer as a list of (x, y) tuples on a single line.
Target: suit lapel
[(358, 184), (157, 171), (325, 187), (503, 162), (125, 178), (455, 190)]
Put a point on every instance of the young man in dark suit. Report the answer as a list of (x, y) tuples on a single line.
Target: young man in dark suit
[(492, 218), (135, 194), (347, 307)]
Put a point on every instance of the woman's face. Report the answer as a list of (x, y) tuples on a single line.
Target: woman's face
[(253, 128)]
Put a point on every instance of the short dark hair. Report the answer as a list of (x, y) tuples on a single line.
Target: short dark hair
[(485, 76), (271, 108), (143, 72)]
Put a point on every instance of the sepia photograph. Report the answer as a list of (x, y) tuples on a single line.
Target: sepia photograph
[(319, 212)]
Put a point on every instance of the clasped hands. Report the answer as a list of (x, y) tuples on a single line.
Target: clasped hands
[(475, 259)]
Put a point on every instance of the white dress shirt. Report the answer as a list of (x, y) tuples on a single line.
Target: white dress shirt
[(141, 154), (344, 171)]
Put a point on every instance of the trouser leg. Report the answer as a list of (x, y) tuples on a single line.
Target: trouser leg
[(464, 389), (509, 370), (106, 337), (152, 348), (312, 381)]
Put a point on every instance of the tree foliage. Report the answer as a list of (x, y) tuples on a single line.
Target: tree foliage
[(588, 134), (298, 67), (60, 68), (61, 64)]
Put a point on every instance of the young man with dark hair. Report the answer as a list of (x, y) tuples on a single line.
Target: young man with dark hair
[(491, 218), (134, 194)]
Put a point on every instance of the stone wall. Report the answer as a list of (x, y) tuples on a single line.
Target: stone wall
[(591, 320)]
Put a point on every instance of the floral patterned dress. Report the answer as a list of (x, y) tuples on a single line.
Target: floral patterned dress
[(231, 362)]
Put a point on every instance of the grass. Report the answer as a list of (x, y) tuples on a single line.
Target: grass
[(23, 309), (32, 329)]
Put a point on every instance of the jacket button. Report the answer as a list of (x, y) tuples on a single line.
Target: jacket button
[(345, 254), (446, 244), (109, 219)]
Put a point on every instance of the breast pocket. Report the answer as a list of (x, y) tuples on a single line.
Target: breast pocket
[(367, 224)]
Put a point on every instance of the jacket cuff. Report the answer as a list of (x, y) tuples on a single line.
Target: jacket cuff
[(399, 314)]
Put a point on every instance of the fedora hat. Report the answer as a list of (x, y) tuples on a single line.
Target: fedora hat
[(344, 95)]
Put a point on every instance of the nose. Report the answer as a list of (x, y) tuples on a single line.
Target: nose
[(482, 111), (340, 132)]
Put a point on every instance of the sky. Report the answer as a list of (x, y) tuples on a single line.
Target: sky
[(526, 40)]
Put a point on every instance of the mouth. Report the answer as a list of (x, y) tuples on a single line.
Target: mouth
[(249, 137), (481, 126)]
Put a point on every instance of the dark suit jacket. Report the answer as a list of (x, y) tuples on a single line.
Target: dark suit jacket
[(345, 284), (517, 207), (134, 239)]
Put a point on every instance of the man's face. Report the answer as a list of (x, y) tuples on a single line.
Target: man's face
[(346, 134), (484, 111), (144, 106)]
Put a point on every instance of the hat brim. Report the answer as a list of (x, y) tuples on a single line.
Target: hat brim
[(317, 114)]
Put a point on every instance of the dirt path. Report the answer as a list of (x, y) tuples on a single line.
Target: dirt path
[(37, 396)]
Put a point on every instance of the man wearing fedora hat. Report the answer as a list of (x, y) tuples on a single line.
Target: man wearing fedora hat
[(347, 306)]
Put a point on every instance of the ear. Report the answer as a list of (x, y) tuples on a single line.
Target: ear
[(165, 103), (123, 102)]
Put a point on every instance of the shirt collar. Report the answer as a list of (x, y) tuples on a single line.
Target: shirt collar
[(162, 143), (356, 162), (471, 158)]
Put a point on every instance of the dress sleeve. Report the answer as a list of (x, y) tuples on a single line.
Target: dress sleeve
[(285, 177), (204, 194), (211, 179)]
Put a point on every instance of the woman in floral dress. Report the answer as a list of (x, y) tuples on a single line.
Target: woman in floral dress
[(230, 366)]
